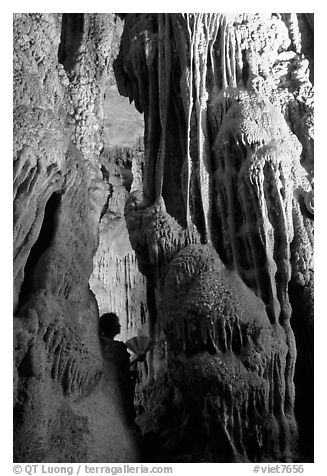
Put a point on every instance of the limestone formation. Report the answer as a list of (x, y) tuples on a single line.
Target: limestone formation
[(231, 349), (227, 102), (201, 240)]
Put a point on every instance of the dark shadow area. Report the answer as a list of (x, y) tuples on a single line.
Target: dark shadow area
[(117, 357), (306, 26), (72, 28), (304, 375), (41, 245), (245, 69), (127, 175)]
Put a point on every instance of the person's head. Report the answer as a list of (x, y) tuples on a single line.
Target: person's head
[(109, 325)]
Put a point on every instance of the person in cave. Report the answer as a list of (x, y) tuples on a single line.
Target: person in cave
[(116, 352), (109, 325)]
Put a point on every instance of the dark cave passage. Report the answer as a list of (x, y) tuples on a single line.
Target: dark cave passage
[(304, 376), (41, 245), (71, 38)]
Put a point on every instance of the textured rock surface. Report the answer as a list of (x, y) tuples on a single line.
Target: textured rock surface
[(223, 344), (228, 108), (67, 407)]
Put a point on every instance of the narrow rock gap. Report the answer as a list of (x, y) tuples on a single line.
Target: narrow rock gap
[(245, 69)]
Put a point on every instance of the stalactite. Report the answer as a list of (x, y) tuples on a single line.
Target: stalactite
[(265, 179), (164, 65), (188, 105)]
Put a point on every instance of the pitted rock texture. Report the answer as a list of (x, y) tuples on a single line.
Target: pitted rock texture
[(231, 349)]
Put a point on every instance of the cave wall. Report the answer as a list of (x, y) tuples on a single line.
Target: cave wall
[(228, 109), (67, 407)]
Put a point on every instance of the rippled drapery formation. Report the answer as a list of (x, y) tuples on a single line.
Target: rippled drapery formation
[(228, 107)]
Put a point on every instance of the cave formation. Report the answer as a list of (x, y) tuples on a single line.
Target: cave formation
[(196, 230)]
